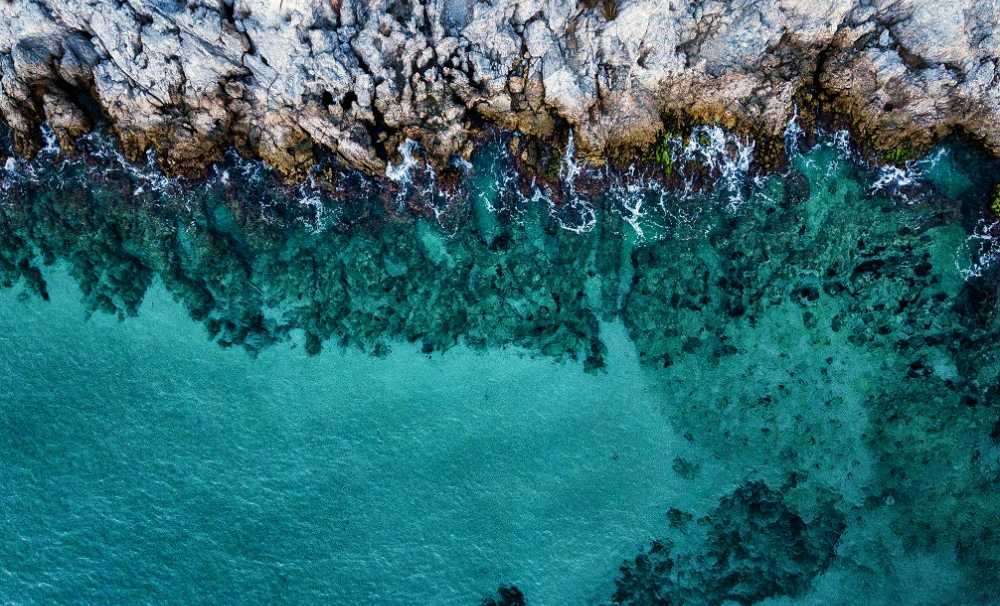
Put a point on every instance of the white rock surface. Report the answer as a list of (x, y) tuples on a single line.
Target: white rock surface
[(357, 77)]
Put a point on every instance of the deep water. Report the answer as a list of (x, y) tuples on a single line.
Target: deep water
[(781, 389)]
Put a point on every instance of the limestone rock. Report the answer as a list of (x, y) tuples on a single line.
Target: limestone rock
[(358, 77)]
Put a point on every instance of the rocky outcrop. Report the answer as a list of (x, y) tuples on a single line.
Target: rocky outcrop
[(284, 80)]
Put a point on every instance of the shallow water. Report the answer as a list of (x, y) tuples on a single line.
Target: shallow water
[(791, 384), (145, 463)]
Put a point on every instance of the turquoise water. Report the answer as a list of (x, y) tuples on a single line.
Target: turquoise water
[(145, 464), (781, 391)]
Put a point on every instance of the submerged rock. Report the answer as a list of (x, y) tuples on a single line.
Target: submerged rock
[(285, 81), (756, 547), (507, 595)]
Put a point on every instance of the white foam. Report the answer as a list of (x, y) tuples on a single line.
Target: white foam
[(574, 213), (569, 170), (793, 133), (429, 194), (400, 173), (983, 246), (723, 155), (462, 164), (322, 218), (502, 175), (842, 141), (629, 194), (634, 214), (51, 147), (640, 199), (894, 180)]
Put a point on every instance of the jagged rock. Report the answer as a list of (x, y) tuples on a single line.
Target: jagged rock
[(357, 77)]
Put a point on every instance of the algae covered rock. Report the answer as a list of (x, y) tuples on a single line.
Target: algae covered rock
[(755, 547)]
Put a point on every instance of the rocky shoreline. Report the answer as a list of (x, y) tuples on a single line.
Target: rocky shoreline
[(289, 81)]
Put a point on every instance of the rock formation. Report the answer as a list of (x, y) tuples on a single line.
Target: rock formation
[(283, 80), (756, 547)]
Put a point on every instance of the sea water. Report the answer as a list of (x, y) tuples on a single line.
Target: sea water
[(791, 384), (143, 464)]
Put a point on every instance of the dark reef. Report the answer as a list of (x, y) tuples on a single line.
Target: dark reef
[(507, 595), (756, 547)]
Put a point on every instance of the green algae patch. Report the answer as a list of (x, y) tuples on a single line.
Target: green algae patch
[(899, 155), (663, 154)]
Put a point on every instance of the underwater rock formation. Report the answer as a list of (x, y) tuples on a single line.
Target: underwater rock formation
[(508, 595), (285, 81), (756, 547)]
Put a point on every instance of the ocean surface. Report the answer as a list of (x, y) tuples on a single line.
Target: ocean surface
[(716, 388)]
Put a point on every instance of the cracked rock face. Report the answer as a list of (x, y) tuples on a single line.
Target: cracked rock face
[(283, 80)]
